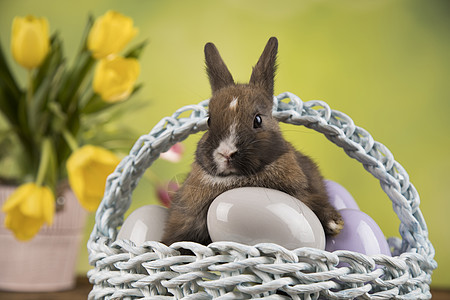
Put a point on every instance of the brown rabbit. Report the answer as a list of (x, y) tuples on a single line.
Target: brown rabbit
[(244, 147)]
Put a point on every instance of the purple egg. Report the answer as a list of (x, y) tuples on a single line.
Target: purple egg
[(360, 234), (339, 197)]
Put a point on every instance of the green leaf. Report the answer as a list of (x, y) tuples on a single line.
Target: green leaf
[(136, 89), (52, 173), (7, 110), (5, 142), (115, 137), (22, 117), (87, 29), (10, 167), (75, 78), (10, 92), (36, 106), (56, 84), (58, 117), (96, 105), (52, 62), (44, 97), (6, 76), (136, 51), (77, 74)]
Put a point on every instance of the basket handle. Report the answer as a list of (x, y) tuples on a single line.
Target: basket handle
[(317, 115)]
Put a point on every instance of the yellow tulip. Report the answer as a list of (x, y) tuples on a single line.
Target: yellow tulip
[(30, 41), (87, 168), (27, 209), (110, 33), (114, 79)]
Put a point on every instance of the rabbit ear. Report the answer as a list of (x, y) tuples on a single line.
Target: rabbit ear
[(218, 73), (264, 72)]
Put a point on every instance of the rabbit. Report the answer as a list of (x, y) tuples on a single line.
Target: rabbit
[(243, 147)]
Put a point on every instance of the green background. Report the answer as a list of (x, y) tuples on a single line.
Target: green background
[(384, 63)]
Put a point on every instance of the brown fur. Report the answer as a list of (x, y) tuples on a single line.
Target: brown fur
[(263, 158)]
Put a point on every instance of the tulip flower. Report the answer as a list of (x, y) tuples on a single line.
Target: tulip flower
[(166, 193), (30, 41), (114, 79), (174, 154), (87, 168), (110, 34), (27, 209)]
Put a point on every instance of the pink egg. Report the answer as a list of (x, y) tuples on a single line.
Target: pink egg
[(360, 234), (339, 197)]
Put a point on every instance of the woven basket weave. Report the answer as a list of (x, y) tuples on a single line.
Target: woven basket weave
[(227, 270)]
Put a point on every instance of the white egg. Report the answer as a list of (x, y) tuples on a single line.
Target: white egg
[(253, 215), (144, 224)]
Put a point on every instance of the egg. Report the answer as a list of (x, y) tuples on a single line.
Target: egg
[(253, 215), (339, 197), (360, 234), (144, 224)]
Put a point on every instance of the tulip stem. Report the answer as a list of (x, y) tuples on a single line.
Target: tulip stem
[(70, 140), (30, 87), (44, 161)]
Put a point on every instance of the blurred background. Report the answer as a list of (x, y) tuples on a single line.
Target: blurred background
[(384, 63)]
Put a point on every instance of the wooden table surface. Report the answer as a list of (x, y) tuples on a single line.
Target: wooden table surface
[(83, 288)]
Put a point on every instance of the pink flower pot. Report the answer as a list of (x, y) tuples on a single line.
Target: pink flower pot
[(47, 262)]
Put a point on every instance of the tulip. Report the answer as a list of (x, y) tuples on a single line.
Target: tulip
[(174, 154), (109, 34), (114, 79), (30, 41), (27, 209), (87, 168), (166, 193)]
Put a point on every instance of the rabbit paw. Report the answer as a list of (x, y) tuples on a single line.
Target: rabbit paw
[(334, 226)]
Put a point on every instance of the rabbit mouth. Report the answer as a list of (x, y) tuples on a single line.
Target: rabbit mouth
[(225, 154), (224, 163)]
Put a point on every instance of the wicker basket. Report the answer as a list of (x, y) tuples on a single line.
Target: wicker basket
[(226, 270)]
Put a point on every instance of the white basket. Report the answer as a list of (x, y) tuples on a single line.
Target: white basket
[(226, 270)]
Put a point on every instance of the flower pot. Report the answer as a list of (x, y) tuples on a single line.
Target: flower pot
[(47, 262)]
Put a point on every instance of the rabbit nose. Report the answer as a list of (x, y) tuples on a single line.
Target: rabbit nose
[(228, 155)]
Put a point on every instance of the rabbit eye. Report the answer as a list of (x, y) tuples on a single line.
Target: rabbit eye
[(257, 122), (209, 121)]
